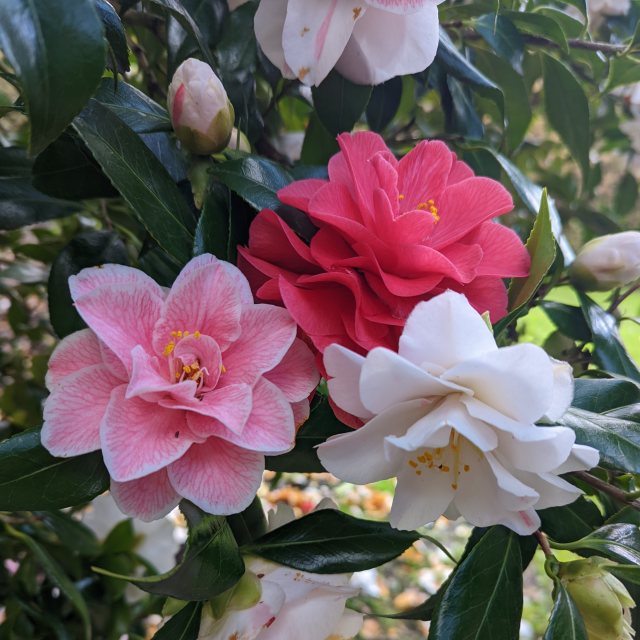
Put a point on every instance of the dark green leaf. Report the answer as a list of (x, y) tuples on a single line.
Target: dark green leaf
[(71, 532), (87, 249), (626, 193), (141, 179), (383, 103), (185, 625), (211, 564), (622, 71), (609, 352), (541, 246), (329, 541), (620, 542), (536, 24), (321, 424), (567, 110), (339, 103), (604, 394), (319, 145), (566, 622), (501, 34), (568, 319), (212, 232), (484, 598), (571, 521), (31, 479), (115, 35), (56, 79)]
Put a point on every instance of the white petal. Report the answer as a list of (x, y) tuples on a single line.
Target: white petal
[(517, 380), (420, 499), (581, 458), (445, 330), (360, 456), (316, 33), (348, 626), (524, 522), (385, 45), (269, 25), (344, 367), (387, 378), (562, 389), (515, 494), (401, 6), (554, 491)]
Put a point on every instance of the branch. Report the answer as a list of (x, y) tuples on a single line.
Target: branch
[(609, 489)]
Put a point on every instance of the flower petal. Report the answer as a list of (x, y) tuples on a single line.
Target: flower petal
[(563, 389), (445, 330), (107, 275), (74, 410), (140, 437), (554, 491), (581, 457), (148, 498), (217, 476), (268, 26), (296, 375), (77, 351)]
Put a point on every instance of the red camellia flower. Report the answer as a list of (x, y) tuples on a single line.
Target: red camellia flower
[(390, 234)]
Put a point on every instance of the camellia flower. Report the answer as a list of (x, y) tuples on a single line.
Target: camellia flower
[(452, 416), (286, 605), (184, 391), (607, 262), (391, 233), (367, 41), (201, 113)]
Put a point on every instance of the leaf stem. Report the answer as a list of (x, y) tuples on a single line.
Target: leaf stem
[(609, 489), (543, 542), (620, 299)]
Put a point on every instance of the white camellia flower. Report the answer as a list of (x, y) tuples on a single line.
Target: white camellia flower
[(289, 604), (367, 41), (452, 416)]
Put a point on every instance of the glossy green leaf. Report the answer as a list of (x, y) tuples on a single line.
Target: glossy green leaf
[(329, 541), (626, 194), (56, 79), (484, 597), (31, 479), (321, 424), (118, 58), (620, 542), (140, 177), (503, 37), (571, 521), (184, 625), (622, 71), (609, 352), (339, 103), (568, 319), (211, 563), (567, 110), (319, 145), (383, 103), (604, 394), (541, 246), (536, 24), (71, 532), (87, 249), (212, 232), (566, 622), (56, 574)]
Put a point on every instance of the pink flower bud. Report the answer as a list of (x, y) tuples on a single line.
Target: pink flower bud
[(201, 113), (607, 262)]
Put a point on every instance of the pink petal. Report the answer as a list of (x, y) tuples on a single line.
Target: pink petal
[(267, 335), (299, 193), (484, 294), (217, 476), (141, 437), (107, 275), (148, 498), (296, 375), (122, 316), (207, 300), (301, 411), (74, 410), (77, 351)]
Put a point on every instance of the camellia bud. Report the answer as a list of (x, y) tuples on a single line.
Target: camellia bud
[(201, 113), (239, 142), (607, 262), (603, 601)]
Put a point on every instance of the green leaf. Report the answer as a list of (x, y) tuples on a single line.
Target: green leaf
[(31, 479), (384, 103), (620, 542), (321, 424), (567, 110), (629, 573), (140, 177), (133, 107), (484, 598), (211, 564), (56, 575), (71, 532), (88, 249), (617, 440), (329, 541), (319, 145), (626, 194), (56, 79), (339, 103), (116, 37), (212, 232), (622, 71), (568, 319), (184, 625), (571, 521), (566, 621), (536, 24), (604, 394), (501, 34), (609, 352), (541, 246)]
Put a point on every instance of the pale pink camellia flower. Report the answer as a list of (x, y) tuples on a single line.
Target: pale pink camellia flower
[(367, 41), (452, 416), (184, 390), (291, 605)]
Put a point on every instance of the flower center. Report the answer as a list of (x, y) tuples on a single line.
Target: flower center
[(447, 459), (189, 354), (429, 205)]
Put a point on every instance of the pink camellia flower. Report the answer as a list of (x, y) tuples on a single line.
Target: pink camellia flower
[(390, 234), (184, 391)]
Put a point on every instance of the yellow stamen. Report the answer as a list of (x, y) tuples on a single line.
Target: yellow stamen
[(413, 464), (445, 468), (223, 369), (186, 333), (400, 196), (196, 334), (454, 485), (422, 205), (466, 467), (169, 348), (186, 369)]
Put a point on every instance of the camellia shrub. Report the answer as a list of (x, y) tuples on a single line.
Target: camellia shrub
[(392, 240)]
